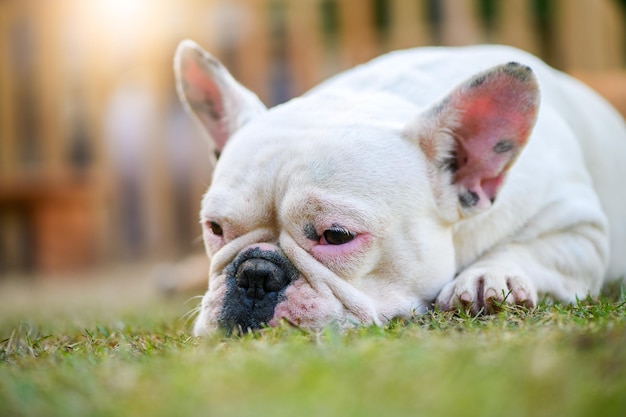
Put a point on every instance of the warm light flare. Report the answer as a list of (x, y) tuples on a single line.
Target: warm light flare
[(120, 11)]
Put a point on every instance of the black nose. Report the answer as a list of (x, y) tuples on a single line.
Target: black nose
[(256, 281), (257, 277)]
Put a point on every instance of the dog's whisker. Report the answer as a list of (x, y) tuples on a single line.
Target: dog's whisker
[(190, 315), (195, 297)]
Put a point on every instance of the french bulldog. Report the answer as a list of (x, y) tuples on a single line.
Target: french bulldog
[(469, 177)]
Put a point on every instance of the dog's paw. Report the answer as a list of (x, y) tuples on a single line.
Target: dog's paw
[(481, 290)]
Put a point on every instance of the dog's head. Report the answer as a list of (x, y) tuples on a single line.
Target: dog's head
[(338, 208)]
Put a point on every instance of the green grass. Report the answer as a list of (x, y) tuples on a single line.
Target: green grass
[(554, 361)]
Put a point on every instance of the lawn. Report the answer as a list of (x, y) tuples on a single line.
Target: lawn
[(119, 353)]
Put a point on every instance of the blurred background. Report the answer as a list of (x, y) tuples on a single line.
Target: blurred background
[(99, 165)]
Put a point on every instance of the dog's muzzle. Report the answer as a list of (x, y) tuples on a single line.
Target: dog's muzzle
[(255, 283)]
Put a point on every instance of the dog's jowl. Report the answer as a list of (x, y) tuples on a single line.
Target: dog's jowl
[(456, 177)]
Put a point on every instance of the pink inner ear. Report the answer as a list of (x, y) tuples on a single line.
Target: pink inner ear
[(205, 99), (497, 114)]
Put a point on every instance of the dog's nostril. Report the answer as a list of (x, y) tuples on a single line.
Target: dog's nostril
[(259, 276), (276, 281), (243, 281)]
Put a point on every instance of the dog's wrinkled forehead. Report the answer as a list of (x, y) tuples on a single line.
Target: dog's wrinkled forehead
[(318, 141)]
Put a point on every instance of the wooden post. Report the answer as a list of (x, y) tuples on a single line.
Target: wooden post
[(356, 33), (409, 24), (460, 24), (304, 43), (252, 45), (589, 34), (8, 148), (49, 91), (516, 26)]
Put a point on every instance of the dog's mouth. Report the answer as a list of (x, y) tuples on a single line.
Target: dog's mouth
[(255, 283)]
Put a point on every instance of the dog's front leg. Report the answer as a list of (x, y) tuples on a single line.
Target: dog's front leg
[(566, 265)]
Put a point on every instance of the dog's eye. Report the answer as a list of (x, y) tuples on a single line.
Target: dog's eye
[(337, 236), (216, 229)]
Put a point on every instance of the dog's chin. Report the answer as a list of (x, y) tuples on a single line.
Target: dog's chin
[(297, 316)]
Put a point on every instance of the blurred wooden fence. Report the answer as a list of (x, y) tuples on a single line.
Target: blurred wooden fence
[(97, 160)]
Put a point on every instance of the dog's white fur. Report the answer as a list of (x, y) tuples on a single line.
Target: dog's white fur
[(367, 150)]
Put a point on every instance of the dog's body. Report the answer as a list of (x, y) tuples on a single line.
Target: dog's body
[(383, 189)]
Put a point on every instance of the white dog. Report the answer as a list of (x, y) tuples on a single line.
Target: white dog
[(461, 177)]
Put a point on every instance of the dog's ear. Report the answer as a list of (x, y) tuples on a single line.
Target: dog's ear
[(211, 94), (472, 137)]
